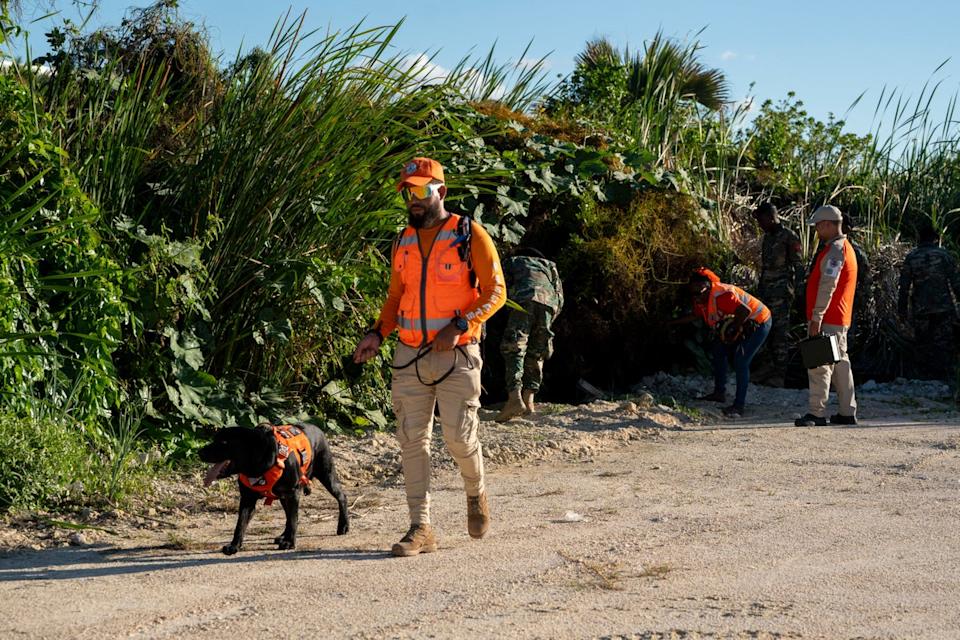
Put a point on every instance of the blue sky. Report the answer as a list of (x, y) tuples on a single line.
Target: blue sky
[(828, 52)]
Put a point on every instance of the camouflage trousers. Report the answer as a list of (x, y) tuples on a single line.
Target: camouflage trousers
[(773, 358), (527, 343), (935, 353)]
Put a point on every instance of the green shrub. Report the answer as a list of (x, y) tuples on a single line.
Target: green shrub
[(61, 312), (42, 462)]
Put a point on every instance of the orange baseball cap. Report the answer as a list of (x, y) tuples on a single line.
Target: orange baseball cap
[(420, 171)]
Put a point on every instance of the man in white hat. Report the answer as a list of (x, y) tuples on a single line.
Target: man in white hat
[(830, 290)]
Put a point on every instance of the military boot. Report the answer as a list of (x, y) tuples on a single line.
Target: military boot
[(419, 539), (478, 515), (528, 400), (513, 408)]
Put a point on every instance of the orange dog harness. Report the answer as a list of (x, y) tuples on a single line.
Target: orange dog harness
[(290, 439)]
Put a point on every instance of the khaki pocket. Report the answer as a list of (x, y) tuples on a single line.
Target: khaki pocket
[(468, 421), (401, 430), (474, 360)]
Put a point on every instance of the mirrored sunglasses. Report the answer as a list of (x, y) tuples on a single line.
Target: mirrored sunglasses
[(423, 192)]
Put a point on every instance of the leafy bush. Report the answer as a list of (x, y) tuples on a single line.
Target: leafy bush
[(43, 461), (61, 310)]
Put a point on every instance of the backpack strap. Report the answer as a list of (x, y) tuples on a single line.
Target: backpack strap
[(396, 244), (464, 239)]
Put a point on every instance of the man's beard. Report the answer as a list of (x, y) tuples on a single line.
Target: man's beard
[(427, 217)]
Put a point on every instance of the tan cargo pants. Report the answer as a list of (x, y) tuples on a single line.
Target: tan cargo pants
[(840, 373), (458, 397)]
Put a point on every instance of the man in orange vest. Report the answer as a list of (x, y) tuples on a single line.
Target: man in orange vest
[(445, 282), (741, 323), (830, 291)]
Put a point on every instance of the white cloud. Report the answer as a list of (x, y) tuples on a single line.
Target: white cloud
[(425, 70), (728, 55), (39, 69), (526, 63)]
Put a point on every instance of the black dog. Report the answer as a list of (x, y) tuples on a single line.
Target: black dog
[(255, 454)]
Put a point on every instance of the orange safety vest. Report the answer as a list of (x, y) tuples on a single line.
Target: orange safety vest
[(437, 287), (759, 312), (289, 439), (840, 308)]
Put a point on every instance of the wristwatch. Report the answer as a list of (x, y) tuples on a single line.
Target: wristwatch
[(460, 323)]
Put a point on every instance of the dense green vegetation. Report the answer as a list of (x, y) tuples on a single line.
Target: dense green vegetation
[(186, 244)]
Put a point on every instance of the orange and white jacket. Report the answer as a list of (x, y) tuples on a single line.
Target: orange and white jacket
[(832, 284)]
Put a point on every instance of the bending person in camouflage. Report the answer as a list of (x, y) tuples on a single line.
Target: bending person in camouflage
[(534, 284), (781, 273), (928, 277)]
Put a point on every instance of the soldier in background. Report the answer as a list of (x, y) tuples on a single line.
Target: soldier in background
[(780, 275), (861, 301), (534, 283), (927, 279)]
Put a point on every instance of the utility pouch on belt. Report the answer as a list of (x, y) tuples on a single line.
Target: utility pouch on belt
[(817, 351)]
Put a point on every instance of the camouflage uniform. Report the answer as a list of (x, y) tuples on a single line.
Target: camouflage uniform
[(781, 273), (861, 306), (534, 284), (927, 278)]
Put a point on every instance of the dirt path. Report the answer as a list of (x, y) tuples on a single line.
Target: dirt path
[(612, 527)]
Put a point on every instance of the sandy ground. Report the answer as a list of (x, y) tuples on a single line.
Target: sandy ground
[(609, 521)]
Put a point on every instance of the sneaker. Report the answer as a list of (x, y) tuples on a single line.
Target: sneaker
[(478, 515), (733, 411), (810, 420), (716, 396), (419, 539), (843, 420)]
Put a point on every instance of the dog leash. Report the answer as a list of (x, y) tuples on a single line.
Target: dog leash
[(424, 350)]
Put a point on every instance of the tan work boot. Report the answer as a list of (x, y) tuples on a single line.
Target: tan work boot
[(419, 539), (478, 515), (513, 408), (528, 400)]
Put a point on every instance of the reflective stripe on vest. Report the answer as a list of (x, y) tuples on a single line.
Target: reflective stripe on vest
[(290, 439), (436, 288), (758, 311)]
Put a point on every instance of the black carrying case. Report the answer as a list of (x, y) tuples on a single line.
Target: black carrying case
[(817, 351)]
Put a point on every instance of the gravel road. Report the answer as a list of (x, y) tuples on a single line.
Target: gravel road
[(614, 520)]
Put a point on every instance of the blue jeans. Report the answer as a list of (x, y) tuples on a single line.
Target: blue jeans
[(743, 353)]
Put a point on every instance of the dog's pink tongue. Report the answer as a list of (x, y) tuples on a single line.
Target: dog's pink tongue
[(213, 473)]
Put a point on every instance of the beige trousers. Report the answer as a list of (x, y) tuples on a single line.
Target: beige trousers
[(458, 397), (840, 373)]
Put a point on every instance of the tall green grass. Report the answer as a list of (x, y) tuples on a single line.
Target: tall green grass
[(912, 169), (61, 312), (253, 211)]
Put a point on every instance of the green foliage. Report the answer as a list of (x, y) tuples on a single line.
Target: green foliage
[(48, 459), (42, 461), (213, 242), (62, 313), (8, 28), (644, 100), (793, 151), (122, 437), (621, 268)]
